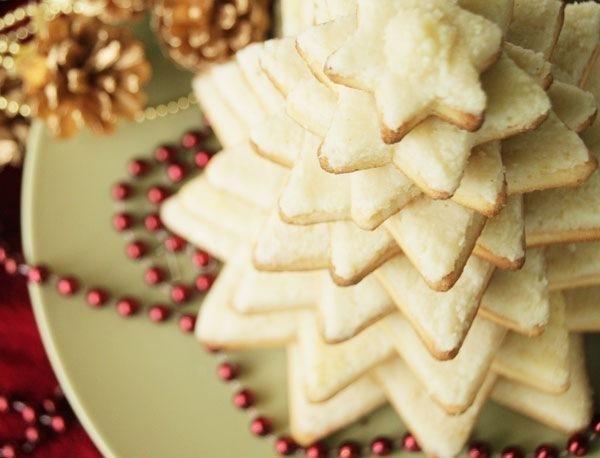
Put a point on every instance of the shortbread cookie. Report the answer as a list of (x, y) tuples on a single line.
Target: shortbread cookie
[(356, 252), (346, 311), (331, 368), (279, 138), (583, 309), (534, 63), (282, 246), (536, 24), (437, 432), (319, 97), (367, 61), (328, 10), (497, 11), (438, 237), (578, 43), (309, 421), (566, 159), (519, 300), (441, 319), (219, 325), (541, 362), (296, 15), (454, 384), (502, 241), (573, 265), (283, 65), (568, 412), (573, 106)]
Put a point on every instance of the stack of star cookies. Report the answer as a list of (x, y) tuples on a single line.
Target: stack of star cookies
[(408, 201)]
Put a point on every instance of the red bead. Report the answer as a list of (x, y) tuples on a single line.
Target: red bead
[(349, 449), (410, 444), (154, 275), (175, 172), (382, 446), (187, 323), (174, 243), (58, 424), (122, 221), (201, 159), (164, 153), (152, 222), (227, 371), (318, 450), (4, 403), (50, 405), (479, 450), (243, 399), (180, 294), (157, 194), (67, 286), (29, 414), (285, 446), (512, 451), (11, 266), (204, 282), (546, 451), (158, 313), (201, 258), (261, 426), (8, 451), (136, 249), (138, 168), (96, 297), (191, 139), (33, 434), (3, 254), (595, 424), (121, 191), (37, 274), (127, 307), (578, 445)]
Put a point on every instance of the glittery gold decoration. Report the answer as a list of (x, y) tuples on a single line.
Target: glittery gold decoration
[(13, 126), (112, 11), (196, 32), (85, 73)]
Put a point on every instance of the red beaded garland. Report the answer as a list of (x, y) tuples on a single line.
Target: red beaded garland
[(409, 443), (157, 194), (192, 139), (33, 434), (382, 446), (58, 423), (243, 399), (8, 451), (3, 253), (318, 450), (201, 258), (285, 446), (121, 191), (29, 414), (158, 313), (180, 294), (4, 403), (578, 445), (138, 168), (37, 274), (174, 243), (176, 172), (96, 297), (261, 426), (349, 449), (512, 451), (11, 266), (595, 424), (152, 222), (122, 221), (154, 275), (67, 286), (50, 405), (187, 323), (479, 450), (136, 249), (127, 306), (204, 282), (546, 451), (227, 371), (201, 159), (164, 153)]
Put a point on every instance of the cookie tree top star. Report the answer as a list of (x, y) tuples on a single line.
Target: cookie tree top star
[(419, 58)]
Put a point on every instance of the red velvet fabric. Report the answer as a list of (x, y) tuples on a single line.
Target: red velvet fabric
[(24, 367)]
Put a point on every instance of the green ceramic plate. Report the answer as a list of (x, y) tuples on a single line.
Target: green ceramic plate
[(143, 390)]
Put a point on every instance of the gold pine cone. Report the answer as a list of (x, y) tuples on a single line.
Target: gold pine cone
[(14, 128), (113, 11), (85, 73), (197, 32)]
